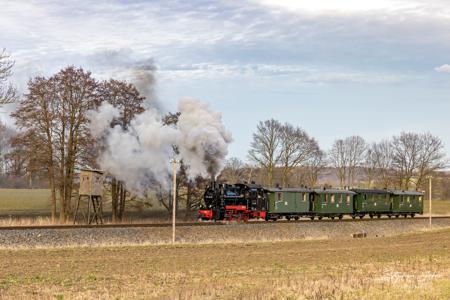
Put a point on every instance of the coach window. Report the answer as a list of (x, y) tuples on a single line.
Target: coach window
[(332, 198), (348, 199), (279, 197), (341, 197), (401, 199), (408, 199), (305, 197), (420, 199), (326, 198)]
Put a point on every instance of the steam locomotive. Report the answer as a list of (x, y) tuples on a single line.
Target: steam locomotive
[(238, 201), (242, 202)]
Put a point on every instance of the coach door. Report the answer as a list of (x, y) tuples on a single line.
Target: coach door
[(312, 202)]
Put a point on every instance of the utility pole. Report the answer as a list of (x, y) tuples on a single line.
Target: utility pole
[(430, 198), (174, 201)]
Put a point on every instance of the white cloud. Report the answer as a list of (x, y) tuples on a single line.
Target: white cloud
[(443, 69), (232, 38), (420, 7), (300, 74), (333, 5)]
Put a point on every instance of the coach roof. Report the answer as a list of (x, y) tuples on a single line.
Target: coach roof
[(371, 191), (289, 190), (333, 191), (407, 193)]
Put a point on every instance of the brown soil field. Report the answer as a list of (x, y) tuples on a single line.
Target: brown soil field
[(407, 266)]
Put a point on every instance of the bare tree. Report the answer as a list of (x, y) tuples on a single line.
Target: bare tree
[(25, 157), (7, 90), (6, 133), (383, 154), (356, 147), (314, 167), (265, 147), (35, 115), (123, 96), (431, 157), (234, 170), (296, 148), (370, 165), (416, 156), (53, 114), (405, 155), (346, 157), (126, 98), (339, 160)]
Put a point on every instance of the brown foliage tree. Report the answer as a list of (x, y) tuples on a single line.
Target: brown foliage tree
[(53, 117), (25, 157), (126, 98)]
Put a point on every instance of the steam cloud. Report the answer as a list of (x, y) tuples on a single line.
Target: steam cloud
[(126, 64), (139, 156)]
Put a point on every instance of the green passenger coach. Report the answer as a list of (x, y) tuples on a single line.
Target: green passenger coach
[(372, 202), (291, 203), (406, 203), (332, 203)]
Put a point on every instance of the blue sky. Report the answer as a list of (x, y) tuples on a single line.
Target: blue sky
[(335, 68)]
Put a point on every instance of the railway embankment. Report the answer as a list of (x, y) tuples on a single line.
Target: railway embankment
[(279, 231)]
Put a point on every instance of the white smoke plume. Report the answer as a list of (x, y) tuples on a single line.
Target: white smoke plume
[(128, 65), (203, 140), (140, 156)]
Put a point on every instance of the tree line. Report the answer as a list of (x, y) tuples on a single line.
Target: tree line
[(404, 161)]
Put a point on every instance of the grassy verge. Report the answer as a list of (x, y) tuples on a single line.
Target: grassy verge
[(415, 266), (439, 207), (24, 200), (36, 202)]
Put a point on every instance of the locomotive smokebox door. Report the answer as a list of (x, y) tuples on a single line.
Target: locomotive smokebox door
[(91, 183)]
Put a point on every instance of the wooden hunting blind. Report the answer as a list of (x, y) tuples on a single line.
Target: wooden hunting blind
[(91, 188), (91, 183)]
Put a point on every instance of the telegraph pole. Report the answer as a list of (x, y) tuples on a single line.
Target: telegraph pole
[(174, 201), (430, 198)]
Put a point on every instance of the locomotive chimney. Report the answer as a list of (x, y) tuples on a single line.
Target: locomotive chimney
[(213, 181)]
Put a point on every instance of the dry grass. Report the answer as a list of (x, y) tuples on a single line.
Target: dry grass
[(45, 221), (414, 266), (25, 221)]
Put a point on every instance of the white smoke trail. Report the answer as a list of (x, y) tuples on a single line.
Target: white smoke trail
[(203, 140), (140, 155)]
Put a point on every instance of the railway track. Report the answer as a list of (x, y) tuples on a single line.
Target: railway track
[(190, 224)]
